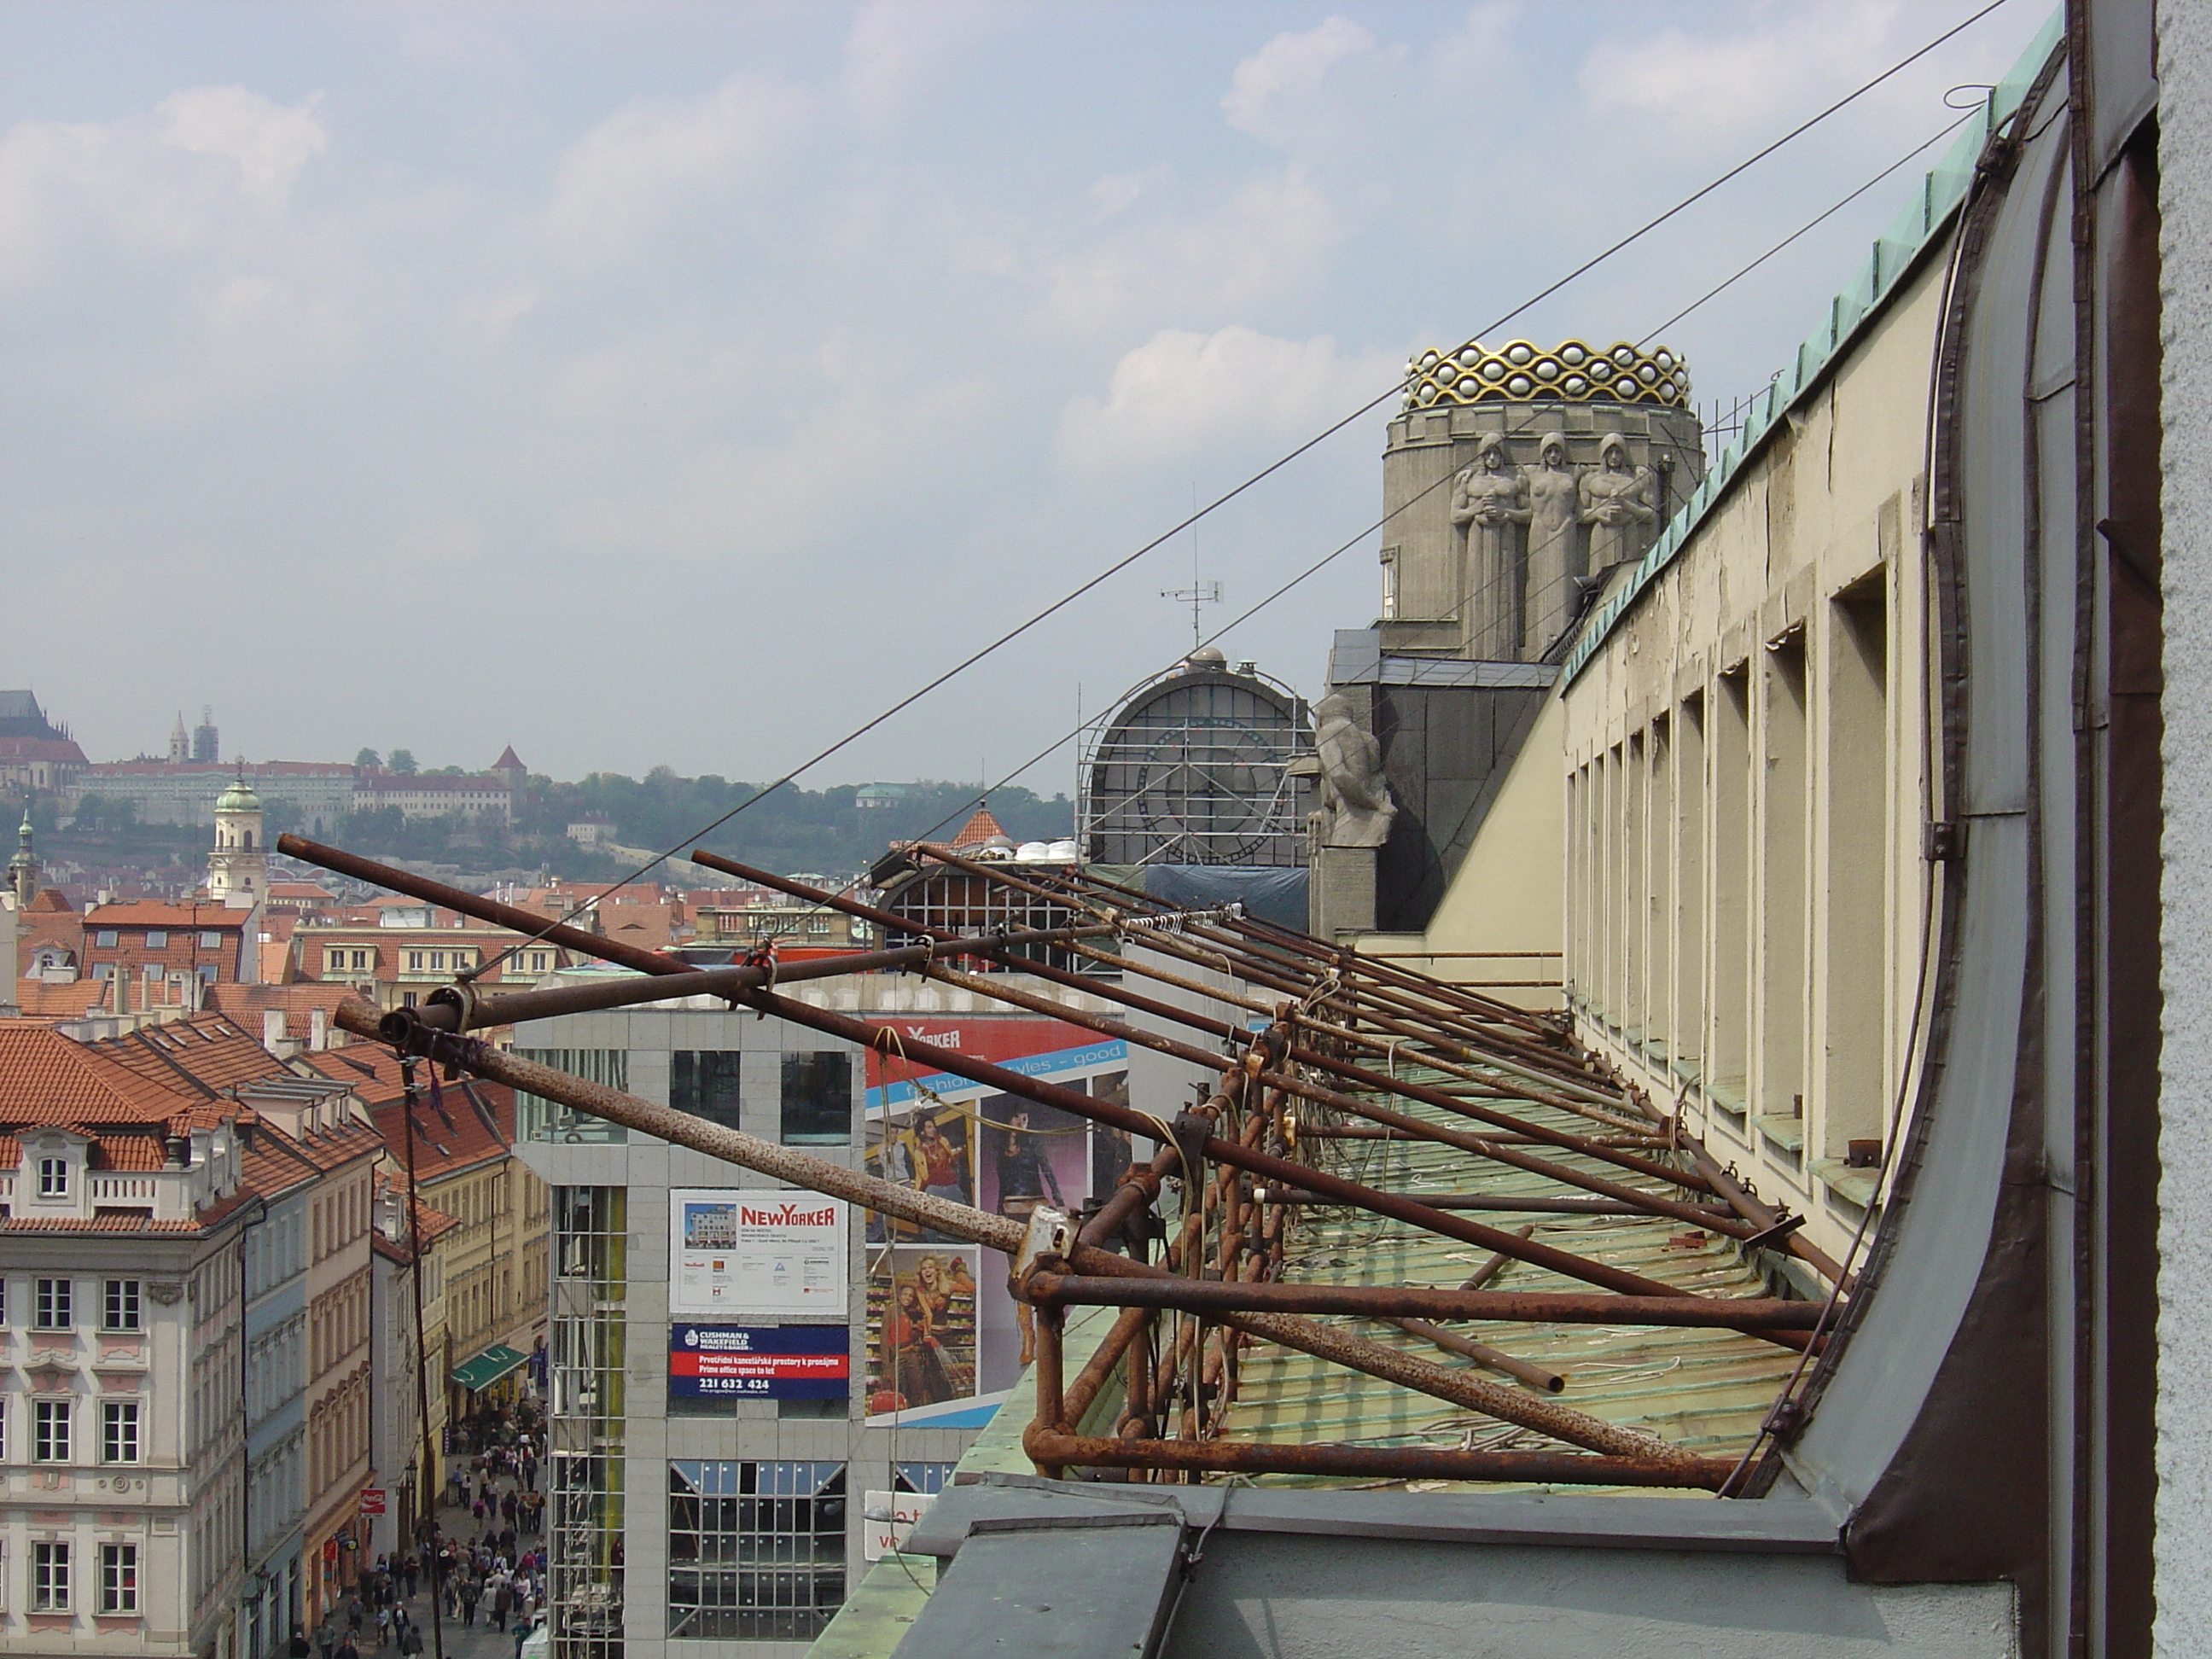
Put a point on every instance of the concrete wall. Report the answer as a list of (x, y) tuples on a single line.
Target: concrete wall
[(2184, 1552), (1499, 899), (1747, 782)]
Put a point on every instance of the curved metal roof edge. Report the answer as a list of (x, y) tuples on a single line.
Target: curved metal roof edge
[(1896, 253)]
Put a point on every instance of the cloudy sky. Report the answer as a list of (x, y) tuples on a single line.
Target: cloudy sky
[(652, 383)]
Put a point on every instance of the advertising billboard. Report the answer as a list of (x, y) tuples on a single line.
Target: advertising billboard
[(754, 1362), (739, 1253), (944, 1340)]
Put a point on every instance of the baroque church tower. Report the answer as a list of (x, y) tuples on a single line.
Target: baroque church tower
[(237, 867)]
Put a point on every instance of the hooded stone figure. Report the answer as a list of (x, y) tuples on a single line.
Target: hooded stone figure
[(1489, 502), (1356, 808), (1554, 555), (1616, 504)]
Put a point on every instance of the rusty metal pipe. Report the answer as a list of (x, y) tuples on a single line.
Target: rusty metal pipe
[(1218, 1029), (1374, 1463), (525, 922), (465, 1008), (1494, 1266), (1506, 1203), (1132, 1323), (1222, 1150), (1452, 1342), (1213, 1296), (1002, 1233)]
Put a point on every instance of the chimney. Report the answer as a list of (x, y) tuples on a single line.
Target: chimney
[(318, 1029), (272, 1027)]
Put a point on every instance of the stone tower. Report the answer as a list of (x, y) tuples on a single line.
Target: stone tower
[(180, 745), (238, 865), (1517, 480), (23, 868)]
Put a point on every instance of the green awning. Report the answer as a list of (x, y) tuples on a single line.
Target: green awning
[(487, 1368)]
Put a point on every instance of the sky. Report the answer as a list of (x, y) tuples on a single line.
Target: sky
[(683, 384)]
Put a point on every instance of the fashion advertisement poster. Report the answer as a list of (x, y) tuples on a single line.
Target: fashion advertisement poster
[(946, 1337)]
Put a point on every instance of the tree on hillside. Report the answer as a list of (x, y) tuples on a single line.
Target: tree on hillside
[(402, 761), (367, 758)]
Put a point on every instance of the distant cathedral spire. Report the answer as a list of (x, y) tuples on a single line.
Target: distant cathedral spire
[(180, 744)]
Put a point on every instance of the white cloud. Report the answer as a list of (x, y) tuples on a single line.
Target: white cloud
[(1288, 68), (1270, 239), (1717, 83), (268, 142), (645, 162), (896, 47), (1181, 392), (206, 164)]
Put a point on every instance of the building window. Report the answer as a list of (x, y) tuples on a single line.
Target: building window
[(103, 938), (336, 961), (118, 1431), (52, 1311), (119, 1579), (206, 972), (211, 941), (49, 1432), (414, 961), (157, 939), (53, 1177), (119, 1305), (817, 1099), (704, 1082), (537, 1119), (49, 1574), (756, 1550)]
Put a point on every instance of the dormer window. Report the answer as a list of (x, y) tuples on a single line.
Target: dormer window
[(53, 1177)]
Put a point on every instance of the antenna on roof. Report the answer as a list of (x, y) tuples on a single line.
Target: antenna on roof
[(1198, 592)]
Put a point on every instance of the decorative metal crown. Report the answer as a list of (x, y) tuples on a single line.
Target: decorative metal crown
[(1572, 372)]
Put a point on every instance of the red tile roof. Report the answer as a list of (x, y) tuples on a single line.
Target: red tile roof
[(46, 1079), (465, 1133), (978, 829), (46, 899), (69, 998), (205, 1054), (148, 912)]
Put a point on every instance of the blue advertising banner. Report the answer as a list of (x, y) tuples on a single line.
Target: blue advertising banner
[(785, 1362)]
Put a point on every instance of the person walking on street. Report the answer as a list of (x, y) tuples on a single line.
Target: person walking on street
[(470, 1592), (521, 1635)]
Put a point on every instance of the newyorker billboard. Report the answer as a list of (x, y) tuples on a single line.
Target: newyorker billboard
[(756, 1253)]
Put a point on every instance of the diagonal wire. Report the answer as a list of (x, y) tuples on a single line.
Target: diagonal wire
[(1255, 479)]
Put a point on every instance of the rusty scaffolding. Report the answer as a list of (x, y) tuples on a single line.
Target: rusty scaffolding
[(1310, 1050)]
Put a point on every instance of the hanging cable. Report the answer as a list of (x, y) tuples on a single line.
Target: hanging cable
[(1254, 479)]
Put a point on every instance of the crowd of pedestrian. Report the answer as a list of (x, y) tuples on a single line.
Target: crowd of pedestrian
[(491, 1565)]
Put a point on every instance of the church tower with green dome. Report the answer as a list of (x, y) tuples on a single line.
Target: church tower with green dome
[(238, 865)]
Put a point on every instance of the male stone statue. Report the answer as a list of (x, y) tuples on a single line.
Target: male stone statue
[(1553, 514), (1488, 499), (1616, 504), (1356, 808)]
